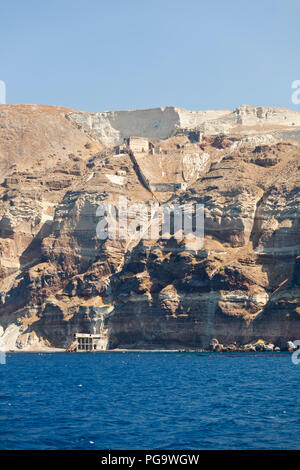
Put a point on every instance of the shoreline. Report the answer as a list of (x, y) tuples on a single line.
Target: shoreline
[(164, 351)]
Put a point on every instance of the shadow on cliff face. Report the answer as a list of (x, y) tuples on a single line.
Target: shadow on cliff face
[(58, 325), (33, 253), (278, 323), (276, 232), (280, 319), (167, 297)]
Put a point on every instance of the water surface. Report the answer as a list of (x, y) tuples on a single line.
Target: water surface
[(149, 401)]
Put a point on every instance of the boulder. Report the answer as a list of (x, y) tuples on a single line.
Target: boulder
[(213, 344)]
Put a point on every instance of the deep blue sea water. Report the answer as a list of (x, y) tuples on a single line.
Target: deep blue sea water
[(149, 401)]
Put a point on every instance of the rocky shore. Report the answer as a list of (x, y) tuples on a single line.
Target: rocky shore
[(258, 346)]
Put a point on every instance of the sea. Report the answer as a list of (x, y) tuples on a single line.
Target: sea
[(153, 400)]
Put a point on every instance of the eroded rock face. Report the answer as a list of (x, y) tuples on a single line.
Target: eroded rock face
[(157, 123), (58, 278), (161, 123)]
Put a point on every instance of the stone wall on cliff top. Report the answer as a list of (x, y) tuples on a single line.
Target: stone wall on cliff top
[(57, 278)]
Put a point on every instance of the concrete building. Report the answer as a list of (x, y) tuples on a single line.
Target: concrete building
[(121, 172), (85, 342), (195, 136), (137, 144), (119, 149)]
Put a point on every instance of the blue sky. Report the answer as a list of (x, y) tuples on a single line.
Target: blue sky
[(97, 55)]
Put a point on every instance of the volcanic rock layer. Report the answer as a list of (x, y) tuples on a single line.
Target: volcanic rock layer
[(57, 278)]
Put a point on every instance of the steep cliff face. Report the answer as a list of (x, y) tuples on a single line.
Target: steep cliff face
[(58, 278)]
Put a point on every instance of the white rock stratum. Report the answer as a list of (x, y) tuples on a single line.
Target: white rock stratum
[(160, 123)]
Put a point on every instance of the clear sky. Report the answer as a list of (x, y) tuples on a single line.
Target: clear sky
[(97, 55)]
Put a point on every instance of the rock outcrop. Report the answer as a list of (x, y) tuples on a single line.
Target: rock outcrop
[(57, 278), (161, 123)]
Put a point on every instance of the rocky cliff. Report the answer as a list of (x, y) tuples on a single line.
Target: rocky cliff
[(58, 278)]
